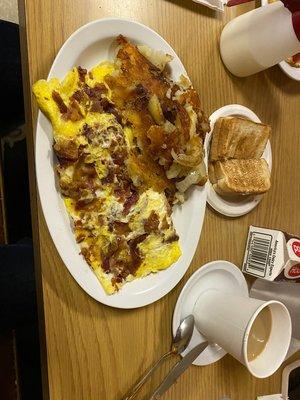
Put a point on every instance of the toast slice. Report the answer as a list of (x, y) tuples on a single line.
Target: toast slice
[(211, 173), (228, 133), (236, 137), (213, 154), (249, 140), (239, 176)]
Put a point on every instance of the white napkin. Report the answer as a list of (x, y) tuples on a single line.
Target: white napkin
[(213, 4)]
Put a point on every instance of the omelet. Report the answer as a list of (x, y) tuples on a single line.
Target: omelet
[(120, 159)]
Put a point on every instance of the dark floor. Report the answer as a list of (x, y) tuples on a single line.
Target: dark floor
[(15, 179), (9, 389), (20, 376)]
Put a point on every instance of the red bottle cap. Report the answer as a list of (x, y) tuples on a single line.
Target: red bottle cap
[(294, 7)]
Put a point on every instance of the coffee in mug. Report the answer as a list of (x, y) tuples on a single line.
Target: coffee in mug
[(259, 334)]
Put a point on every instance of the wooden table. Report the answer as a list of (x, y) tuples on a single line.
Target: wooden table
[(91, 351)]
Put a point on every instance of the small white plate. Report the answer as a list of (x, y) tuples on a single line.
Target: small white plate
[(86, 47), (224, 206), (220, 275), (290, 71)]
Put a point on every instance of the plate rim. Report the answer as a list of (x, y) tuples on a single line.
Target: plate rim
[(157, 292)]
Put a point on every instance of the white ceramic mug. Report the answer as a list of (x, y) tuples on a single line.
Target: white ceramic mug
[(227, 319)]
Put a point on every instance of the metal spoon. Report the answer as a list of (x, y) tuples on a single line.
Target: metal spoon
[(179, 344)]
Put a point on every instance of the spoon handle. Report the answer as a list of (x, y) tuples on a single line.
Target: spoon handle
[(145, 377)]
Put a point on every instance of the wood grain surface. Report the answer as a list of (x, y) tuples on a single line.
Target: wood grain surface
[(93, 352)]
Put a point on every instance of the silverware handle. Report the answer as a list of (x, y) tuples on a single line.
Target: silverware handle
[(145, 377), (178, 369)]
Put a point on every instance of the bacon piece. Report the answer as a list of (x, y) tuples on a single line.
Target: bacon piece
[(123, 176), (133, 243), (121, 228), (78, 95), (78, 224), (151, 223), (105, 264), (96, 92), (134, 251), (100, 104), (96, 106), (103, 105), (86, 204), (82, 73), (119, 156), (109, 108), (119, 265), (84, 179), (111, 261), (129, 202), (110, 177), (115, 280), (80, 237), (59, 101), (73, 112), (123, 191)]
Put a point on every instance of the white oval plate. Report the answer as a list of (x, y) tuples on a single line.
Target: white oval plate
[(86, 47), (289, 70), (220, 275), (220, 204)]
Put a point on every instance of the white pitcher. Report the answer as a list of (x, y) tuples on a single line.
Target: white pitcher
[(261, 38)]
